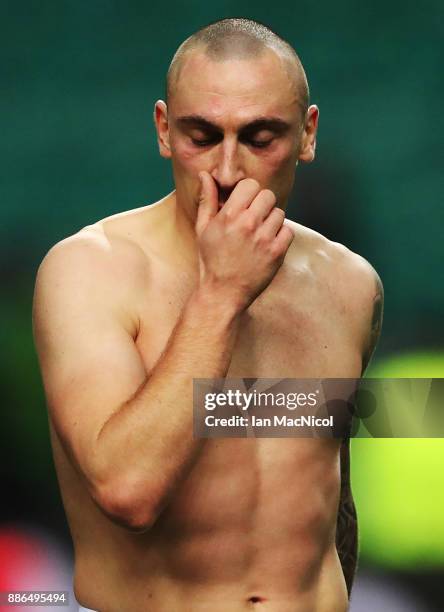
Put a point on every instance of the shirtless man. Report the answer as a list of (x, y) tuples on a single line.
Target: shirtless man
[(210, 281)]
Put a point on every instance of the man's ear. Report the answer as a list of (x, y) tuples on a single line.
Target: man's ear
[(161, 123), (308, 138)]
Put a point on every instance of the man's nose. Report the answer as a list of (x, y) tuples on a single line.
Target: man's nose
[(228, 170)]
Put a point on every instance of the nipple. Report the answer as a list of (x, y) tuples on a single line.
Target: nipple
[(256, 599)]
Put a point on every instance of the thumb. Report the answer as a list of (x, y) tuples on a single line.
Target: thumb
[(208, 201)]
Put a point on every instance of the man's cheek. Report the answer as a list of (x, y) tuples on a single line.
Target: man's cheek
[(185, 150), (191, 161)]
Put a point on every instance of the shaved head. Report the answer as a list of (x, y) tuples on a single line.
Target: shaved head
[(239, 39)]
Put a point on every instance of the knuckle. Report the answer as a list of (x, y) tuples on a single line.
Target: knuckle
[(248, 224), (262, 240), (227, 214), (276, 250)]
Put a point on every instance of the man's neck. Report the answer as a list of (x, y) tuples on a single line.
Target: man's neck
[(183, 221)]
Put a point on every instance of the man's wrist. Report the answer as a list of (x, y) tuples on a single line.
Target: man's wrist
[(220, 301)]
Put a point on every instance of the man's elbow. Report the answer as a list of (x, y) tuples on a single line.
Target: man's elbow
[(128, 505)]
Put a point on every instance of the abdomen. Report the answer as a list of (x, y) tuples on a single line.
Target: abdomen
[(254, 507)]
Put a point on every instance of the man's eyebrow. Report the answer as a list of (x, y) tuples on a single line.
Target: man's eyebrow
[(261, 123), (197, 121), (273, 124)]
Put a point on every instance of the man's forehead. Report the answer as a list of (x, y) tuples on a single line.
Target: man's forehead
[(260, 82)]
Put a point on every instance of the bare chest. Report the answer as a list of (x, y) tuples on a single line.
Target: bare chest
[(293, 329)]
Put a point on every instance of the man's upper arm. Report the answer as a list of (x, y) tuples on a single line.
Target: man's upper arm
[(364, 297), (377, 309), (84, 338)]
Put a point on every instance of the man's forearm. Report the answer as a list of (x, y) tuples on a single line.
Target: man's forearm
[(146, 446)]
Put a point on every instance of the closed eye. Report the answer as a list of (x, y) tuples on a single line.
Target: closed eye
[(203, 142), (259, 144), (259, 133), (258, 138), (204, 138)]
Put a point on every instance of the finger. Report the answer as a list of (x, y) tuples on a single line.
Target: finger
[(262, 205), (241, 197), (283, 239), (273, 223), (208, 201)]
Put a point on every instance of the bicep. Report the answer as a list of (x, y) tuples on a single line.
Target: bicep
[(89, 362)]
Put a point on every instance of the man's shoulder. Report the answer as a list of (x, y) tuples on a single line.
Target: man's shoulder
[(345, 280), (90, 252), (98, 264), (333, 262), (106, 249)]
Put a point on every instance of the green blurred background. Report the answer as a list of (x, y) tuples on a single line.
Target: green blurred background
[(78, 85)]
